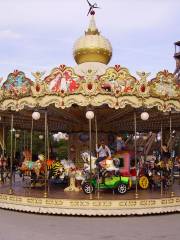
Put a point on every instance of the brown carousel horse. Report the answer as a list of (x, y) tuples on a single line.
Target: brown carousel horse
[(28, 165)]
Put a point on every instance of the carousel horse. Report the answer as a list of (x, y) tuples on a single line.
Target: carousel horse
[(28, 166), (67, 164), (107, 164), (27, 163), (161, 173), (86, 159)]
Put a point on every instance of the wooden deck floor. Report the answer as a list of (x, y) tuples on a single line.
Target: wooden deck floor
[(57, 191)]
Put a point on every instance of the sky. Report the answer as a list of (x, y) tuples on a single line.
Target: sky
[(38, 35)]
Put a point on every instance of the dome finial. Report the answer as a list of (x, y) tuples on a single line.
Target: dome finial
[(92, 29)]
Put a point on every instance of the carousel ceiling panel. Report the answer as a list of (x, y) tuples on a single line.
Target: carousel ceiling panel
[(108, 120)]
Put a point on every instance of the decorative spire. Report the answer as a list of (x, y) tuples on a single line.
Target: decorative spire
[(92, 29), (92, 47)]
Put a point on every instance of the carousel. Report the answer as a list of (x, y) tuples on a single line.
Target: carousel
[(96, 109)]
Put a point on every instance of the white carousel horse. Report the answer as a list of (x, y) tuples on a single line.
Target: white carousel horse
[(86, 159), (107, 164), (68, 166)]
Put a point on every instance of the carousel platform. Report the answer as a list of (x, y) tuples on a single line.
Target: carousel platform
[(106, 203)]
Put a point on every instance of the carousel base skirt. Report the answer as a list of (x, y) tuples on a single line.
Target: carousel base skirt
[(90, 207), (114, 206)]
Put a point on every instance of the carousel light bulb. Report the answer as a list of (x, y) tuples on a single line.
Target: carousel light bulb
[(144, 116), (137, 137), (41, 137), (17, 135), (145, 137), (159, 136), (89, 115), (36, 115)]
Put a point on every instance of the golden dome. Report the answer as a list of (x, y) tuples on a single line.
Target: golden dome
[(92, 47)]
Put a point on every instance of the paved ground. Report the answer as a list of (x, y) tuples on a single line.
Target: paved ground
[(22, 226)]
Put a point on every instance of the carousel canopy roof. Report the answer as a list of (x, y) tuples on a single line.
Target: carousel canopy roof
[(73, 120)]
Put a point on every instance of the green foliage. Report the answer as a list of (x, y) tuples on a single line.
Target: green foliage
[(60, 148)]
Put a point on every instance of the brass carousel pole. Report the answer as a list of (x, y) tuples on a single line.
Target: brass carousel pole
[(32, 123), (2, 167), (48, 143), (135, 149), (170, 150), (15, 146), (15, 143), (45, 151), (90, 149), (3, 150), (161, 155), (48, 153), (24, 140), (98, 193), (11, 157), (90, 116)]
